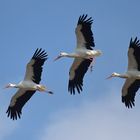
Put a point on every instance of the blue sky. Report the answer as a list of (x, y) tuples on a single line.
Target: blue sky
[(97, 113)]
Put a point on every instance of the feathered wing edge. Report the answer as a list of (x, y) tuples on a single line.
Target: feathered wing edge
[(77, 81), (129, 98), (136, 46), (14, 111), (86, 30), (40, 57)]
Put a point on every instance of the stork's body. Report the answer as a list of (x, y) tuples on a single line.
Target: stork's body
[(28, 86), (132, 75), (83, 55)]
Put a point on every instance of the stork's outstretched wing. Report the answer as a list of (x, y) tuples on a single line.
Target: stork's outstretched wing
[(84, 33), (134, 55), (129, 90), (17, 102), (76, 74), (34, 67)]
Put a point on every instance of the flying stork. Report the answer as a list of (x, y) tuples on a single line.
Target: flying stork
[(83, 55), (29, 85), (132, 75)]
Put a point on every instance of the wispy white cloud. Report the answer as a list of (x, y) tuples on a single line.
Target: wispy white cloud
[(105, 119), (7, 126)]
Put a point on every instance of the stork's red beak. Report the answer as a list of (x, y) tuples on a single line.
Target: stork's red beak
[(58, 57), (7, 86), (109, 77)]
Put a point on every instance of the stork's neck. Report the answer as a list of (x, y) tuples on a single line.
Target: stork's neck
[(121, 75), (72, 55)]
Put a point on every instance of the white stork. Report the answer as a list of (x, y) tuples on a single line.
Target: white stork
[(83, 55), (29, 85), (132, 75)]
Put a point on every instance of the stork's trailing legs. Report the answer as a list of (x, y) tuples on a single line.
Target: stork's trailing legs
[(92, 63)]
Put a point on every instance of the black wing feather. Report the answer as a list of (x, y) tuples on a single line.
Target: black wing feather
[(129, 99), (15, 111), (86, 30), (77, 82), (40, 57), (136, 46)]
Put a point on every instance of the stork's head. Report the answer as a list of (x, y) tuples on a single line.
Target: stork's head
[(62, 54), (10, 85), (114, 74)]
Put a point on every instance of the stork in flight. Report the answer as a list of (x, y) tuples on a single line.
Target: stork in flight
[(132, 75), (83, 55), (29, 85)]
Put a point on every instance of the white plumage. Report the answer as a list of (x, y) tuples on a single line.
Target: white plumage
[(28, 86), (132, 75), (83, 55)]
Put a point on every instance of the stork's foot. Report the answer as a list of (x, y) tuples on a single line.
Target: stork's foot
[(50, 92)]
